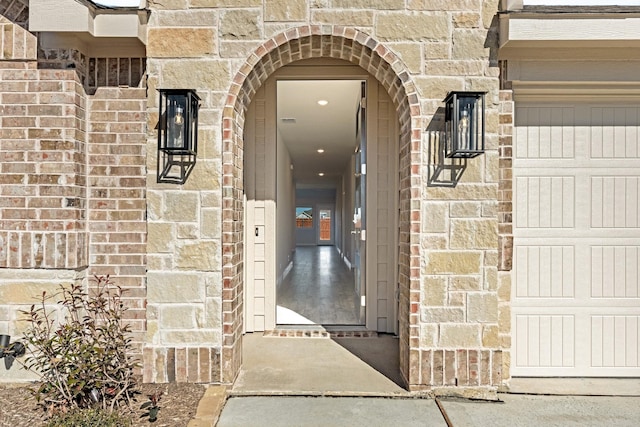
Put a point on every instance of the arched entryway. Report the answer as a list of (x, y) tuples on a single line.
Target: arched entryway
[(360, 49)]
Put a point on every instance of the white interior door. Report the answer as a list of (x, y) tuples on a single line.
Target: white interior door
[(576, 282)]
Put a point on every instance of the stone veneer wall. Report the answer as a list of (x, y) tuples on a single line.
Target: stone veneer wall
[(419, 50)]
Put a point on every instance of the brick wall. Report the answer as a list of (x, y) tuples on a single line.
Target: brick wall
[(116, 200), (43, 169), (72, 177)]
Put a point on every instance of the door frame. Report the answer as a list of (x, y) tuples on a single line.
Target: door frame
[(329, 69), (331, 208)]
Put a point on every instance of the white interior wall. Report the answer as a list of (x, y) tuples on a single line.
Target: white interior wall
[(285, 209)]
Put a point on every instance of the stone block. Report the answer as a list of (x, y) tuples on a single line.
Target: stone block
[(455, 68), (457, 299), (180, 316), (181, 206), (181, 42), (474, 234), (238, 24), (160, 236), (26, 292), (442, 315), (285, 10), (167, 4), (211, 223), (490, 279), (452, 262), (213, 314), (437, 50), (467, 20), (434, 290), (209, 74), (465, 283), (213, 283), (482, 307), (428, 335), (469, 44), (352, 18), (504, 318), (205, 176), (201, 255), (465, 209), (438, 87), (187, 231), (442, 4), (411, 54), (504, 286), (193, 337), (368, 4), (434, 241), (395, 26), (459, 336), (434, 217), (185, 18), (490, 337), (225, 3), (489, 11), (174, 287)]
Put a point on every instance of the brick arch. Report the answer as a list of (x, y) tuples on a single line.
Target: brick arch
[(293, 45)]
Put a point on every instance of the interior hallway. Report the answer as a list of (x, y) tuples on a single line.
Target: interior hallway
[(319, 290)]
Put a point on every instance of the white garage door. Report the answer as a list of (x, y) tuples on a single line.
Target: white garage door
[(576, 195)]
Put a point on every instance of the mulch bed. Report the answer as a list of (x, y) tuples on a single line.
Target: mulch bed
[(178, 405)]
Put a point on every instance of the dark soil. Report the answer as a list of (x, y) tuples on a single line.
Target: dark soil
[(178, 405)]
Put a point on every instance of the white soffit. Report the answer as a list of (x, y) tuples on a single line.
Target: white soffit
[(71, 16), (118, 3)]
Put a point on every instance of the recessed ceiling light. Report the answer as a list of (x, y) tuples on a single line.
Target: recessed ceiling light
[(320, 150), (321, 174), (323, 102)]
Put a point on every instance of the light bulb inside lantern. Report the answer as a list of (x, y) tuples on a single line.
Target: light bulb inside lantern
[(179, 118), (463, 129)]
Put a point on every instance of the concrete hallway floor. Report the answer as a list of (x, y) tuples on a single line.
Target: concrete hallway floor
[(319, 366)]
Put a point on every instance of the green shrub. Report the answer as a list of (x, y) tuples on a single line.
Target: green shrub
[(83, 360), (89, 418)]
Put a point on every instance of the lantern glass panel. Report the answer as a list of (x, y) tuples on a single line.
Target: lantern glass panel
[(176, 123), (464, 124), (177, 134)]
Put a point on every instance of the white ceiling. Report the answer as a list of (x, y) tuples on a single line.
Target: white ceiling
[(331, 127)]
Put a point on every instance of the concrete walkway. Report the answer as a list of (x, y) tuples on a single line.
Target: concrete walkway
[(356, 382), (513, 411)]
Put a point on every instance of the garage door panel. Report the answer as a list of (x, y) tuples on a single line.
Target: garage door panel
[(614, 132), (614, 271), (614, 341), (545, 201), (545, 133), (576, 287), (545, 340), (544, 271)]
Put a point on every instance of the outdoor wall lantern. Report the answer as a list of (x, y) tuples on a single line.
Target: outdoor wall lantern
[(10, 350), (177, 134), (464, 124)]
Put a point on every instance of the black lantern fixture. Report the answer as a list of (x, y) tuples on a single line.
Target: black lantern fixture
[(10, 350), (177, 134), (464, 124)]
